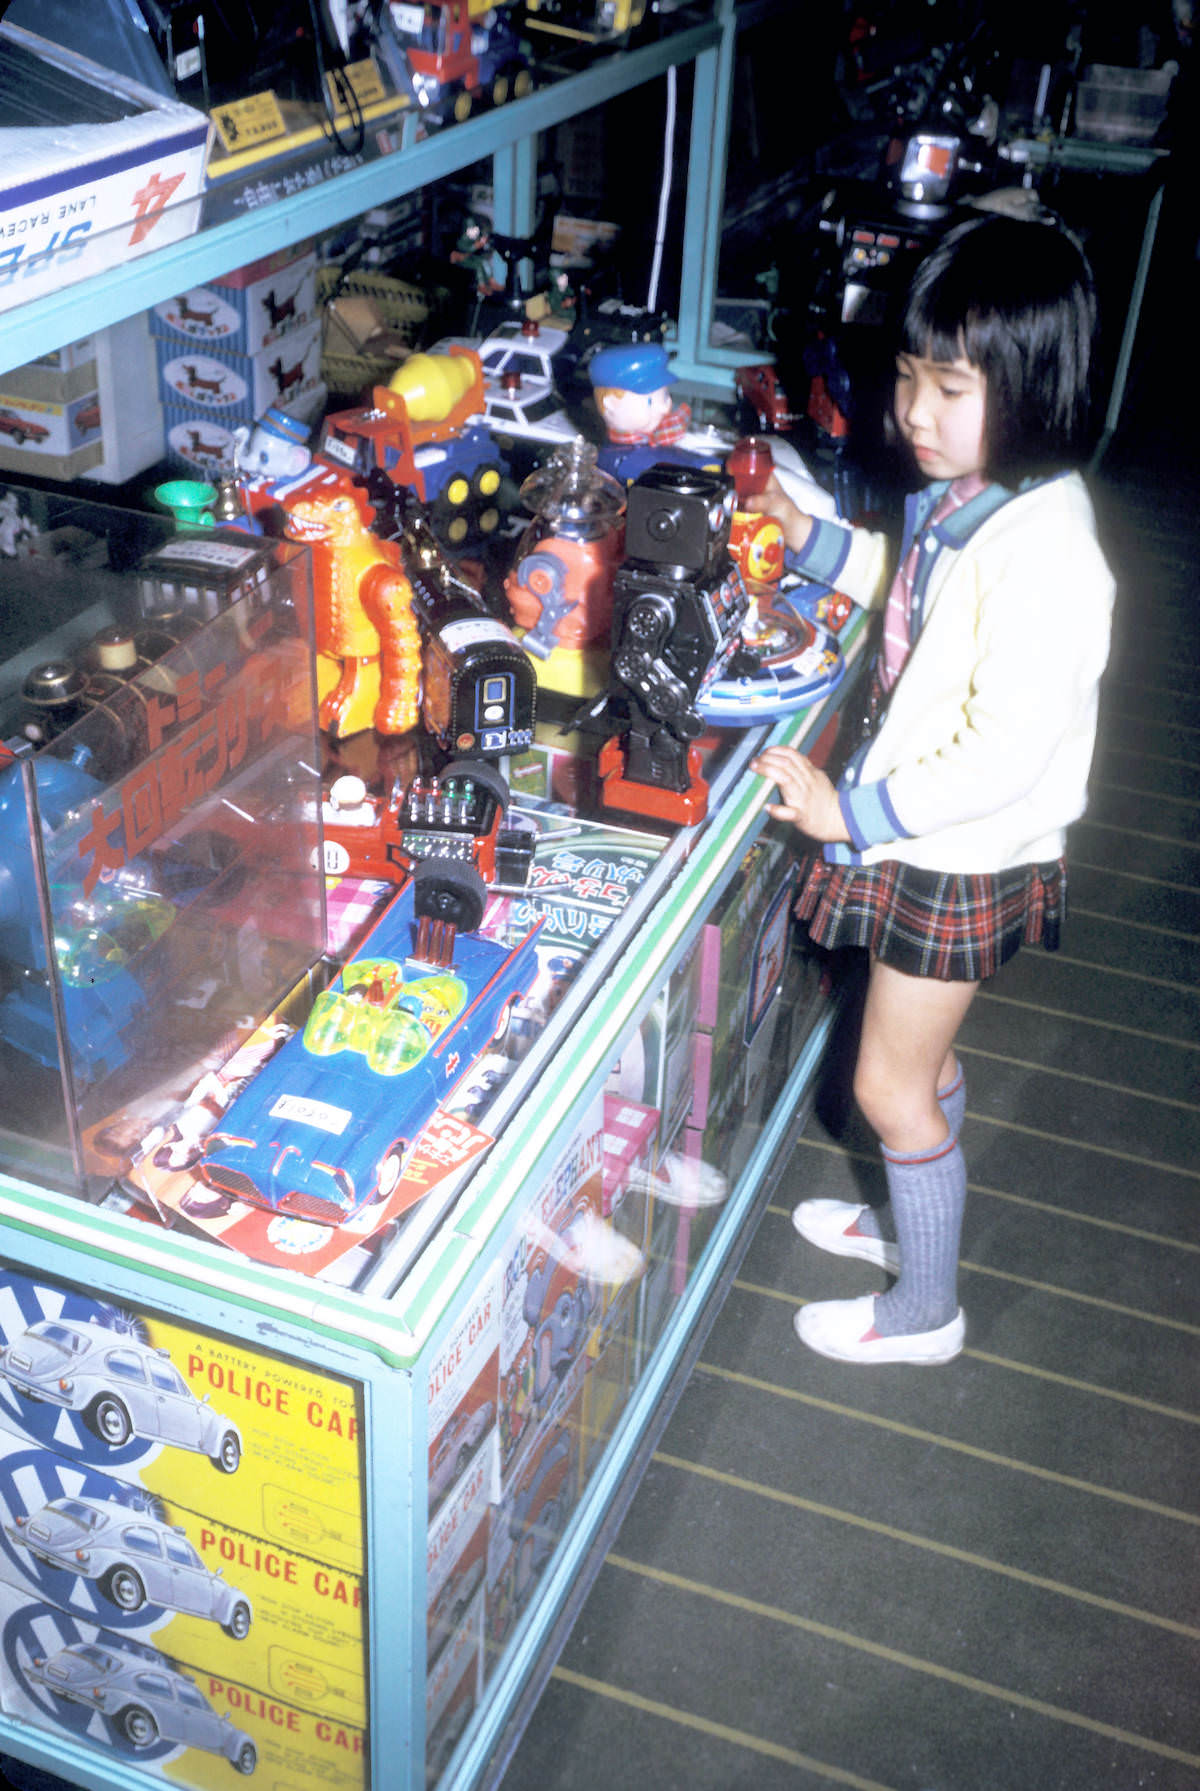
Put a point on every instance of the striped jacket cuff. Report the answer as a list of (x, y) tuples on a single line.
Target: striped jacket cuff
[(825, 552), (869, 816)]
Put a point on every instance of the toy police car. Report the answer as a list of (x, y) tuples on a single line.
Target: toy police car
[(133, 1559), (144, 1698), (120, 1387)]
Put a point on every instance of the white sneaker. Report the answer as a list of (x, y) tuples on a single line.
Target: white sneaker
[(832, 1225), (845, 1331), (591, 1248), (682, 1181)]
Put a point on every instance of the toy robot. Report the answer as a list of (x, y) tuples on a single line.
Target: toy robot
[(268, 459), (561, 583), (679, 605)]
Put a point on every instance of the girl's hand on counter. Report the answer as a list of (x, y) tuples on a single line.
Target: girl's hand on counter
[(809, 798)]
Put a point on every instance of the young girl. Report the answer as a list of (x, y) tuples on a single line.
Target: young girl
[(943, 840)]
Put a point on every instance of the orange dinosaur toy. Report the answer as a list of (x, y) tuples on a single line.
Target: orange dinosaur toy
[(363, 609)]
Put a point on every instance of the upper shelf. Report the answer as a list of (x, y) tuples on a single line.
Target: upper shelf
[(74, 310)]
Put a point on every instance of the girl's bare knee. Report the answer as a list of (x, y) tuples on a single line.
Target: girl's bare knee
[(873, 1101)]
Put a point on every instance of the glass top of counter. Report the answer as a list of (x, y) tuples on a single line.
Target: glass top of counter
[(166, 819)]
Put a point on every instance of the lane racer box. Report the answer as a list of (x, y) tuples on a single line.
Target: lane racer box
[(123, 177)]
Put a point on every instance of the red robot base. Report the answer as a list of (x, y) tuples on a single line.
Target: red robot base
[(683, 807)]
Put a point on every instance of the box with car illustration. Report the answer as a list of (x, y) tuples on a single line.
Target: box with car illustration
[(456, 1559), (538, 1499), (197, 1502), (452, 1691), (155, 1710), (463, 1389), (744, 954), (656, 1066), (551, 1292)]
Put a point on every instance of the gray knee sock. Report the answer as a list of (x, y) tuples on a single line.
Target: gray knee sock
[(877, 1221), (928, 1192)]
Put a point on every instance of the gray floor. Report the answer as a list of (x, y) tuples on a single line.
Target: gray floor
[(981, 1577)]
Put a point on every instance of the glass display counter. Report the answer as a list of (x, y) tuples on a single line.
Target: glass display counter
[(319, 1522)]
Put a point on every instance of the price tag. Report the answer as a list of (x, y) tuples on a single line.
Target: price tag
[(364, 81), (245, 122)]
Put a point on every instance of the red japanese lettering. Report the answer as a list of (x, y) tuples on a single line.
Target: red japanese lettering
[(97, 848)]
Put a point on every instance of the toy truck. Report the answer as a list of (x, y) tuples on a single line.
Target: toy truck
[(591, 21), (423, 432), (446, 55)]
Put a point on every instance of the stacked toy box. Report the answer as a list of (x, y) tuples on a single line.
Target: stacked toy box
[(744, 953), (87, 410), (228, 351), (220, 1487)]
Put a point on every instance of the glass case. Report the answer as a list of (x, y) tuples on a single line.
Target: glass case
[(261, 1511), (158, 832)]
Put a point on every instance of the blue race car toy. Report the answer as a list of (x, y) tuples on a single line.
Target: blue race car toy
[(326, 1126)]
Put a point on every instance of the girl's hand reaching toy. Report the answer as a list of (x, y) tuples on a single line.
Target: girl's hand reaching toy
[(774, 501), (810, 800)]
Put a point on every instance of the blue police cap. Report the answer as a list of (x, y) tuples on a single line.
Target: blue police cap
[(632, 367), (277, 422)]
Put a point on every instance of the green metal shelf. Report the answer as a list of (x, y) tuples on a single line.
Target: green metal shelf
[(34, 329)]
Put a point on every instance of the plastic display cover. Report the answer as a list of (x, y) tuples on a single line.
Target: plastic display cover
[(157, 891)]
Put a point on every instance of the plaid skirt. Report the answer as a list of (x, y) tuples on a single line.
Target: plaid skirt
[(934, 923)]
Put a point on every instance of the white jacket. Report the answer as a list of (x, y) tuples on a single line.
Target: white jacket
[(982, 758)]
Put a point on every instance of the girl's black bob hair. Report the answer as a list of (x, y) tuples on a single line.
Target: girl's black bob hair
[(1015, 298)]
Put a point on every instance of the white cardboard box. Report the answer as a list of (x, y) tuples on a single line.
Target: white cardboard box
[(78, 198), (96, 401)]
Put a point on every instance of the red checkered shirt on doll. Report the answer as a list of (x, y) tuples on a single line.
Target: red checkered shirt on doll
[(676, 423)]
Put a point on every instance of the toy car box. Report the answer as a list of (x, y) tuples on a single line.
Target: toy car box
[(743, 955), (538, 1499), (210, 1561), (122, 177), (550, 1304), (463, 1383), (630, 1137), (456, 1561), (452, 1690), (58, 438), (583, 876), (657, 1067), (95, 398)]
